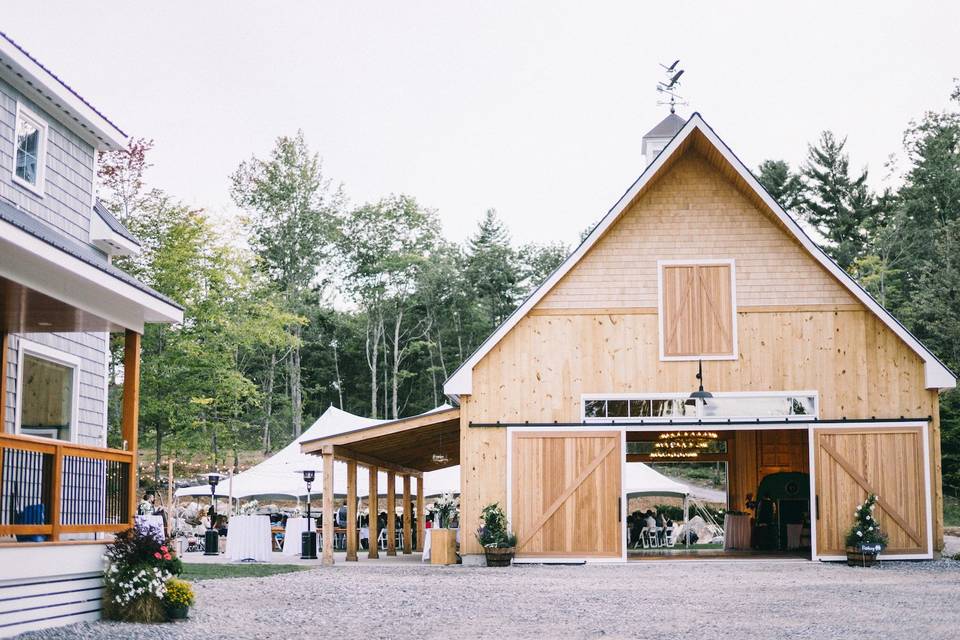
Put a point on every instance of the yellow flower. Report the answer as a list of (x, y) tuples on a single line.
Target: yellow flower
[(179, 593)]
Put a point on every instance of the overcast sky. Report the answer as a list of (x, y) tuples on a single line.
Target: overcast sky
[(534, 109)]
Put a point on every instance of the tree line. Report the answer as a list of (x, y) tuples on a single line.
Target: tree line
[(306, 300)]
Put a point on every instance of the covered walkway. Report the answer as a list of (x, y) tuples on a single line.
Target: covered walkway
[(408, 447)]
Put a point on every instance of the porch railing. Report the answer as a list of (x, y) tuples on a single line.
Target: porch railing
[(50, 488)]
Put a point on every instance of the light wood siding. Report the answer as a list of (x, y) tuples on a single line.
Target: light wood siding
[(691, 213), (697, 310), (566, 493), (854, 463)]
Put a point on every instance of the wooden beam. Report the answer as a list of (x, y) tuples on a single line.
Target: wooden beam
[(4, 352), (407, 517), (388, 428), (327, 558), (351, 511), (373, 508), (129, 425), (421, 516), (391, 514), (344, 453)]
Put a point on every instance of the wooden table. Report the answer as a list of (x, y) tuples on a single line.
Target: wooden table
[(736, 532), (443, 546)]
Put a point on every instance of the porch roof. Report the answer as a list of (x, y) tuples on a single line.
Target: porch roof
[(407, 445), (50, 282)]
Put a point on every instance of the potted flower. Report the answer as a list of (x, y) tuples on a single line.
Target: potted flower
[(865, 540), (445, 510), (178, 598), (135, 581), (498, 543)]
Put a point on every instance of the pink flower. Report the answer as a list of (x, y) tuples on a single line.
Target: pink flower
[(163, 549), (157, 556), (166, 556)]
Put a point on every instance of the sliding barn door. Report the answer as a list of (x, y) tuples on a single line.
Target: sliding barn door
[(852, 463), (565, 499)]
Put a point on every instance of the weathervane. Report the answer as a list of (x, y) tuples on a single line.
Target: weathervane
[(671, 86)]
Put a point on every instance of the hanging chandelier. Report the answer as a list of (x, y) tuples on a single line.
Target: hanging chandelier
[(678, 445)]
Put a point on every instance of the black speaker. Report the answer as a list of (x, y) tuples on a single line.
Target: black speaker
[(308, 545), (211, 542)]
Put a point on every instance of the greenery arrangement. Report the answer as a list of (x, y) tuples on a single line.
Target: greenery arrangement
[(493, 532), (135, 582), (445, 508), (865, 529)]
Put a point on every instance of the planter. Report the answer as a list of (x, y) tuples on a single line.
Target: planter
[(857, 558), (178, 613), (499, 556)]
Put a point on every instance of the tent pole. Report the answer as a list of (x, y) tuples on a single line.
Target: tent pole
[(686, 518)]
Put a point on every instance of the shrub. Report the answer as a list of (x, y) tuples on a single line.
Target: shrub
[(494, 531)]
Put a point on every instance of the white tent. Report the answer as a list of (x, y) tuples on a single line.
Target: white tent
[(643, 480), (277, 478)]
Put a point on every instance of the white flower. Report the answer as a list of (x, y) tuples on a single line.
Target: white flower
[(860, 533)]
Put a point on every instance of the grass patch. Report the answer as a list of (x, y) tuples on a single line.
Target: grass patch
[(951, 511), (195, 572)]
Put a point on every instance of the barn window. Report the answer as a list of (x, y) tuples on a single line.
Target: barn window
[(698, 310), (723, 406)]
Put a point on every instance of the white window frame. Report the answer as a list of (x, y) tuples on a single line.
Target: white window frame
[(586, 397), (24, 113), (56, 356), (735, 355)]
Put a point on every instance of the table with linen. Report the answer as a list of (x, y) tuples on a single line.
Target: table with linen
[(248, 538), (292, 536), (736, 532)]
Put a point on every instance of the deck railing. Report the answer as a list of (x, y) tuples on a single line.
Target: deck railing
[(49, 488)]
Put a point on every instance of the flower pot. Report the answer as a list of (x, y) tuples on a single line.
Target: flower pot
[(499, 556), (178, 613), (857, 558)]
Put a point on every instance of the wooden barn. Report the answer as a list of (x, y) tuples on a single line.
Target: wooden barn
[(804, 376)]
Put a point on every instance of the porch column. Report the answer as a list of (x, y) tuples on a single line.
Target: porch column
[(327, 512), (351, 510), (391, 513), (374, 503), (421, 516), (4, 350), (407, 516), (130, 412)]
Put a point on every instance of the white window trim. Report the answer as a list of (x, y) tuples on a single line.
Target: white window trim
[(44, 352), (24, 113), (585, 397), (733, 305)]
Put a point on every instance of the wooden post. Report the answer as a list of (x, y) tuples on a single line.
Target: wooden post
[(373, 501), (327, 512), (421, 515), (56, 493), (407, 516), (351, 510), (391, 513), (4, 352), (131, 411)]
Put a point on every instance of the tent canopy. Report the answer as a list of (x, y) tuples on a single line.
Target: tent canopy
[(643, 480), (277, 477)]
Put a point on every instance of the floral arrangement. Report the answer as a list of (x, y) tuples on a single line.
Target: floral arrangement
[(494, 532), (178, 593), (249, 508), (865, 529), (135, 582), (446, 508)]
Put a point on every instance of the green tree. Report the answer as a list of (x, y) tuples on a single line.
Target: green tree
[(492, 269), (782, 183), (537, 262)]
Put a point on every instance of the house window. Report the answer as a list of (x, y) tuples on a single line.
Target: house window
[(29, 150), (787, 405), (697, 310), (47, 392)]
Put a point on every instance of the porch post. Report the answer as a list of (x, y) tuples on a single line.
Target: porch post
[(351, 510), (4, 350), (373, 501), (130, 412), (407, 516), (327, 508), (421, 516), (391, 513)]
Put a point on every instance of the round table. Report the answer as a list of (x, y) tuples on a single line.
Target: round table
[(736, 531), (293, 538), (248, 538)]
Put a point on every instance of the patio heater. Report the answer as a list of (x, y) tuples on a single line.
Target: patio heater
[(308, 540), (211, 539)]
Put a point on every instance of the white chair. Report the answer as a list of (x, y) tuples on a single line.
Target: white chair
[(653, 537), (382, 539), (670, 537)]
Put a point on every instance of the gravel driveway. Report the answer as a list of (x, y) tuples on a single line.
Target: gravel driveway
[(652, 599)]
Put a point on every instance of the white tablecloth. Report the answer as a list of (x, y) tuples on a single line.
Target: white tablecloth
[(151, 522), (426, 544), (248, 538), (292, 538)]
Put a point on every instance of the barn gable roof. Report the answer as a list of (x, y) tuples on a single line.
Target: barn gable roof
[(937, 375)]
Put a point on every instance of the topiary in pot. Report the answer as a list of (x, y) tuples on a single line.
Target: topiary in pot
[(865, 540), (498, 543)]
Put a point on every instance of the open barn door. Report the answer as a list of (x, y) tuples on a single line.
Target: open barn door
[(888, 461), (565, 494)]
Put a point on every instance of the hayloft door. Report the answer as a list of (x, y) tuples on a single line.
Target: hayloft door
[(565, 493), (852, 463)]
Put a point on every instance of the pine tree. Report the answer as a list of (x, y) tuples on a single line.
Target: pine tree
[(492, 270), (782, 183)]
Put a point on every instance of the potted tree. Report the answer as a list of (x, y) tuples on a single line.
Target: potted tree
[(498, 543), (865, 540)]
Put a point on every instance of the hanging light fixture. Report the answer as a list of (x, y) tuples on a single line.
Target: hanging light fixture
[(681, 445), (699, 394)]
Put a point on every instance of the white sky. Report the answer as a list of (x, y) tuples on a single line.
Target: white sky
[(535, 109)]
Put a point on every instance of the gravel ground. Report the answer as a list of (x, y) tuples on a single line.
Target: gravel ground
[(651, 599)]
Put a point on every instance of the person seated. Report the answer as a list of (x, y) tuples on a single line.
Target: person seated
[(649, 522)]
